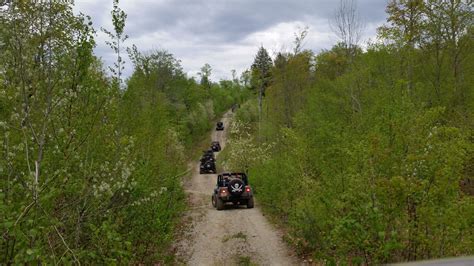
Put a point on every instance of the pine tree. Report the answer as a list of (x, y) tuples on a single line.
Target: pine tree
[(261, 71)]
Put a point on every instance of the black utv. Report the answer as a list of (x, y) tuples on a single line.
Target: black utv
[(208, 156), (216, 146), (207, 167), (219, 126), (208, 163), (234, 188)]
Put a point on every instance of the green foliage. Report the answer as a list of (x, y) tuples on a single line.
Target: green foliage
[(205, 75), (117, 39), (291, 77), (368, 153), (261, 76), (90, 173), (242, 152), (261, 68), (248, 113), (164, 112)]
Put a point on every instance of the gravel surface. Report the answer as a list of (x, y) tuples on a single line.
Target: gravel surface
[(234, 236)]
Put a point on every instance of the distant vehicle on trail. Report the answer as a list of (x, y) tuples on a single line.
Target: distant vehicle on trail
[(216, 146), (219, 126)]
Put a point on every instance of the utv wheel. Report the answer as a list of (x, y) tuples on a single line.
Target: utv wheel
[(213, 200), (250, 203), (219, 204)]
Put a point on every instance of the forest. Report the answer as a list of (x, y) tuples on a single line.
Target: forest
[(89, 165), (363, 154), (366, 156)]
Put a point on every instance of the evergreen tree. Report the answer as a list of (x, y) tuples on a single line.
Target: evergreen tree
[(261, 73)]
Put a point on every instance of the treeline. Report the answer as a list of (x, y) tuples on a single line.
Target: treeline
[(89, 169), (371, 150)]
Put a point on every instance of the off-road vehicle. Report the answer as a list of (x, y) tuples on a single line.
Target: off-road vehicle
[(216, 146), (234, 188), (208, 156), (207, 167), (219, 126)]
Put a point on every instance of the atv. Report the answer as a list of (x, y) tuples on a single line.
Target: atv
[(216, 146), (232, 188)]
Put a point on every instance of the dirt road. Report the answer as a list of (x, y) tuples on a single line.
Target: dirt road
[(230, 237)]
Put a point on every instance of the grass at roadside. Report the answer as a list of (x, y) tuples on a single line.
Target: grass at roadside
[(245, 261)]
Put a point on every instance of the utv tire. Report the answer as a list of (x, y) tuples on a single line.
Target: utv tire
[(213, 200), (219, 204), (250, 203)]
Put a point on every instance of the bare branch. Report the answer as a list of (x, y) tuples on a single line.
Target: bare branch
[(347, 24)]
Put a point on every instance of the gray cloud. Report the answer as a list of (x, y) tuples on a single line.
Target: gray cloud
[(224, 33), (232, 20)]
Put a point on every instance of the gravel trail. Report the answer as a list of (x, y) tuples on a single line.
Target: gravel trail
[(229, 237)]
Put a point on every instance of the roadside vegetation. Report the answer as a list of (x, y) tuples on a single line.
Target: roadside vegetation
[(365, 153), (90, 163), (371, 151)]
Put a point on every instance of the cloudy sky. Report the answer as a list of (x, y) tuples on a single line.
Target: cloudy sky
[(224, 33)]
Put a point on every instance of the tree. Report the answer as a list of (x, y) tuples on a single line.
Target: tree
[(205, 74), (457, 19), (245, 78), (437, 27), (261, 72), (57, 96), (347, 25), (383, 173), (235, 79), (433, 46), (300, 36), (291, 77), (118, 38), (89, 175), (245, 152), (405, 20)]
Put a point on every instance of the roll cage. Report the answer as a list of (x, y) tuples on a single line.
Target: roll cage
[(224, 178)]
